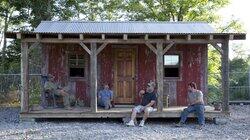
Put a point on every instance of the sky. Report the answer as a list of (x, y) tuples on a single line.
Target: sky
[(240, 10)]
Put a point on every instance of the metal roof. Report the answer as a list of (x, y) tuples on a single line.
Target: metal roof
[(129, 27)]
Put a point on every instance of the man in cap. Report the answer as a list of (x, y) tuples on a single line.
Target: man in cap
[(53, 88), (146, 105)]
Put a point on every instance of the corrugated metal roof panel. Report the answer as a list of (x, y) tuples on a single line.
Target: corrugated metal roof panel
[(129, 27)]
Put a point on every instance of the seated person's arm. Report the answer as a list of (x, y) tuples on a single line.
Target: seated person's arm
[(141, 93), (111, 95), (151, 103)]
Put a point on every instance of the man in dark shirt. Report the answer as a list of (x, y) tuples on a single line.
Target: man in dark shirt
[(146, 106)]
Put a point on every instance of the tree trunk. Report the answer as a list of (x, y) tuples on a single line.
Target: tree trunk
[(4, 41)]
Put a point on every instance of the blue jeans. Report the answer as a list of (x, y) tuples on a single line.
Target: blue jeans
[(198, 109)]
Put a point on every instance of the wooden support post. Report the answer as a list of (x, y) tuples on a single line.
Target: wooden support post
[(38, 36), (19, 36), (125, 37), (60, 36), (24, 77), (225, 76), (146, 37), (93, 77), (103, 36), (189, 37), (159, 76), (167, 37), (85, 48), (81, 36), (211, 37), (151, 47)]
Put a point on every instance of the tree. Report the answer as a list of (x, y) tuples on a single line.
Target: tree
[(174, 10)]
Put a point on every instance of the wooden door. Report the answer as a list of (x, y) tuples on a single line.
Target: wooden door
[(124, 75)]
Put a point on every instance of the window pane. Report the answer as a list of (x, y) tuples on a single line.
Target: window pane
[(72, 62), (76, 72), (171, 60), (171, 72)]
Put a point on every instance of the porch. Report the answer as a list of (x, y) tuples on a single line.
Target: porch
[(117, 112)]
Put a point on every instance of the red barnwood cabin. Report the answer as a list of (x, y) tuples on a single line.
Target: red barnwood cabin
[(127, 55)]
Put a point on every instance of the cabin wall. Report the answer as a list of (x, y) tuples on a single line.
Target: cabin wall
[(58, 66), (193, 68)]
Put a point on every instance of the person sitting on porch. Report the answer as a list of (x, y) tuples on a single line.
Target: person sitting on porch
[(196, 105), (105, 97), (53, 88), (146, 105)]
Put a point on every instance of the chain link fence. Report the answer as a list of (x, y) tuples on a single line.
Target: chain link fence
[(10, 89)]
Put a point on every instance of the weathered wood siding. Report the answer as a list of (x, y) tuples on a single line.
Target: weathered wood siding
[(58, 66), (193, 68)]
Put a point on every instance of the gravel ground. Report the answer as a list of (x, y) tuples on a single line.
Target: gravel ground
[(238, 127)]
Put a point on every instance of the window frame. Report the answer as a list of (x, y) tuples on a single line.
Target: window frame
[(77, 60), (179, 66)]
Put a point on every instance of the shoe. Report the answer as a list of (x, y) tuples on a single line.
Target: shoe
[(68, 108), (130, 123), (199, 127), (142, 123), (180, 124)]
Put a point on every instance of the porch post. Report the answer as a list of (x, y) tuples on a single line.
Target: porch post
[(225, 75), (159, 76), (93, 77), (24, 77)]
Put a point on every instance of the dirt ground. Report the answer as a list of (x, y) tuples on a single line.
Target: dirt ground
[(237, 127)]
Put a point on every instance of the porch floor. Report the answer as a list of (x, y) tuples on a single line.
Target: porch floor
[(117, 112)]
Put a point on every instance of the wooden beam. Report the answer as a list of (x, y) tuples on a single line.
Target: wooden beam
[(146, 37), (121, 41), (38, 36), (93, 77), (103, 36), (217, 47), (34, 45), (159, 76), (101, 48), (125, 37), (85, 48), (225, 76), (231, 37), (211, 37), (168, 47), (167, 37), (189, 37), (19, 36), (60, 36), (151, 47), (24, 77), (81, 36)]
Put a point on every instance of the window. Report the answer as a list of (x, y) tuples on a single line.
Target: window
[(76, 65), (171, 65)]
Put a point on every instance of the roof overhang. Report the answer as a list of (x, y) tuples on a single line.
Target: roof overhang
[(102, 37)]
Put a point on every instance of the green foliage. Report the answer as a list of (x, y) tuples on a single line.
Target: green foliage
[(174, 10)]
